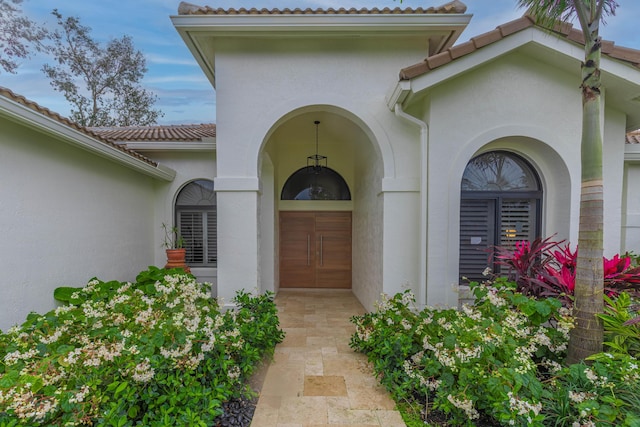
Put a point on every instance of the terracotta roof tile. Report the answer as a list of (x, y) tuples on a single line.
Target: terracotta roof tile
[(191, 9), (176, 133), (461, 50), (633, 137), (439, 59), (563, 29), (514, 26), (8, 93), (487, 38)]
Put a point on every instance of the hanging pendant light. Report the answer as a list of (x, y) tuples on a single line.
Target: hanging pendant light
[(315, 162)]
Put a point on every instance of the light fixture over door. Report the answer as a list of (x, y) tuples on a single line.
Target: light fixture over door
[(315, 161)]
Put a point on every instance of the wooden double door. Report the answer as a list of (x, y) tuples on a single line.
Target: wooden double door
[(315, 249)]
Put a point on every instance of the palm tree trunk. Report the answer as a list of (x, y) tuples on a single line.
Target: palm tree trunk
[(587, 336)]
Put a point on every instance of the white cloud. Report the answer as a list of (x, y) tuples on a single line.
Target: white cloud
[(171, 60), (177, 78)]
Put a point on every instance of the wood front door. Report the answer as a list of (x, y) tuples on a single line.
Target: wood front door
[(315, 249)]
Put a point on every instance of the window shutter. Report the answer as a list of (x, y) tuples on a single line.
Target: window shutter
[(518, 219), (190, 224), (477, 230), (212, 237)]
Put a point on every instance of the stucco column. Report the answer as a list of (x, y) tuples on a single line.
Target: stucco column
[(401, 245), (238, 267)]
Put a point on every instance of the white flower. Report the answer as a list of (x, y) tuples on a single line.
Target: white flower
[(143, 372), (466, 405), (523, 407)]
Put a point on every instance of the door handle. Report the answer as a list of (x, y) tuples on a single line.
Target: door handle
[(321, 252), (308, 249)]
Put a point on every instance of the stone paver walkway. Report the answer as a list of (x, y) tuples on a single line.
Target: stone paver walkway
[(316, 379)]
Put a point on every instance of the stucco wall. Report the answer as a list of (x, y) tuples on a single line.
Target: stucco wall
[(527, 107), (631, 213), (65, 217), (368, 230)]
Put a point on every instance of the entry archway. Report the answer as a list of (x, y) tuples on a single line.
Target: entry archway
[(354, 175)]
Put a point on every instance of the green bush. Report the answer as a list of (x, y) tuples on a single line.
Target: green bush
[(499, 360), (604, 393), (158, 352)]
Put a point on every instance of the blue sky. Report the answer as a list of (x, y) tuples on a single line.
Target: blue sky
[(184, 94)]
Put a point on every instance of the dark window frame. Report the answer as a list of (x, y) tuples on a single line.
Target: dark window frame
[(202, 248), (497, 198), (300, 185)]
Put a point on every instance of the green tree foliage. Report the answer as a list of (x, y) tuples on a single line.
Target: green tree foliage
[(112, 94), (18, 35), (587, 336)]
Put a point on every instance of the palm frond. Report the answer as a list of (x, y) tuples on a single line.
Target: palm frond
[(548, 12)]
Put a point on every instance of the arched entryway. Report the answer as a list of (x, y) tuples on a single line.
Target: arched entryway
[(326, 219), (500, 204)]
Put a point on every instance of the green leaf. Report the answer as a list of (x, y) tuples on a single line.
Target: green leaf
[(121, 388), (64, 293), (9, 379), (133, 411)]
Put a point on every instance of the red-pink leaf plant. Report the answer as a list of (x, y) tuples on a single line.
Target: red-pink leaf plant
[(546, 268)]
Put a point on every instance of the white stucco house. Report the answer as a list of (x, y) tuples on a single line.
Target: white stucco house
[(363, 149)]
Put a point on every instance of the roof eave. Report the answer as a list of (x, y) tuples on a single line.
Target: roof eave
[(141, 146), (198, 31), (19, 113), (454, 67)]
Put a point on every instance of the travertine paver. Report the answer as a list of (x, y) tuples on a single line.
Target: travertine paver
[(316, 379)]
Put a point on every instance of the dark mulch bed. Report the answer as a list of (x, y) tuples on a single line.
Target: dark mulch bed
[(239, 412)]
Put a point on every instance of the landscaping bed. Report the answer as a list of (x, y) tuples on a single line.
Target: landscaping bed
[(500, 361), (158, 352)]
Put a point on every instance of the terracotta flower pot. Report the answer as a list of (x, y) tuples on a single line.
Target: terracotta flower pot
[(176, 259)]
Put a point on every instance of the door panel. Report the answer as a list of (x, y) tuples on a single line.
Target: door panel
[(297, 250), (315, 249), (333, 243)]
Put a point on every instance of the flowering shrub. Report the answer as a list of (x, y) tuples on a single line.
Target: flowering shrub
[(498, 360), (605, 393), (156, 352)]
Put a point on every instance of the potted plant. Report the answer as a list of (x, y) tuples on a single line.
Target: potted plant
[(176, 253)]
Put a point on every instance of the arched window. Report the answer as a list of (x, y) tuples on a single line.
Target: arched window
[(196, 219), (309, 184), (500, 204)]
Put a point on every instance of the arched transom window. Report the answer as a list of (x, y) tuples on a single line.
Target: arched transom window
[(309, 184), (196, 219), (500, 204)]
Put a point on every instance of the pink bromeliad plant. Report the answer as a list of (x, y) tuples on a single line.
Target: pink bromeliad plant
[(546, 268)]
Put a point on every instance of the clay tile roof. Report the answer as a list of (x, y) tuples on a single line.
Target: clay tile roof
[(175, 133), (562, 29), (190, 9), (7, 93), (633, 137)]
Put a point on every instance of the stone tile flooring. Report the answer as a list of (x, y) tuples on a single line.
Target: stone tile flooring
[(316, 379)]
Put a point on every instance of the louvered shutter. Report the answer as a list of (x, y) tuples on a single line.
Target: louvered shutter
[(212, 237), (191, 229), (517, 220), (477, 231)]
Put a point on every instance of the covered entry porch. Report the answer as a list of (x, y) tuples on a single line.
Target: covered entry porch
[(325, 241)]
